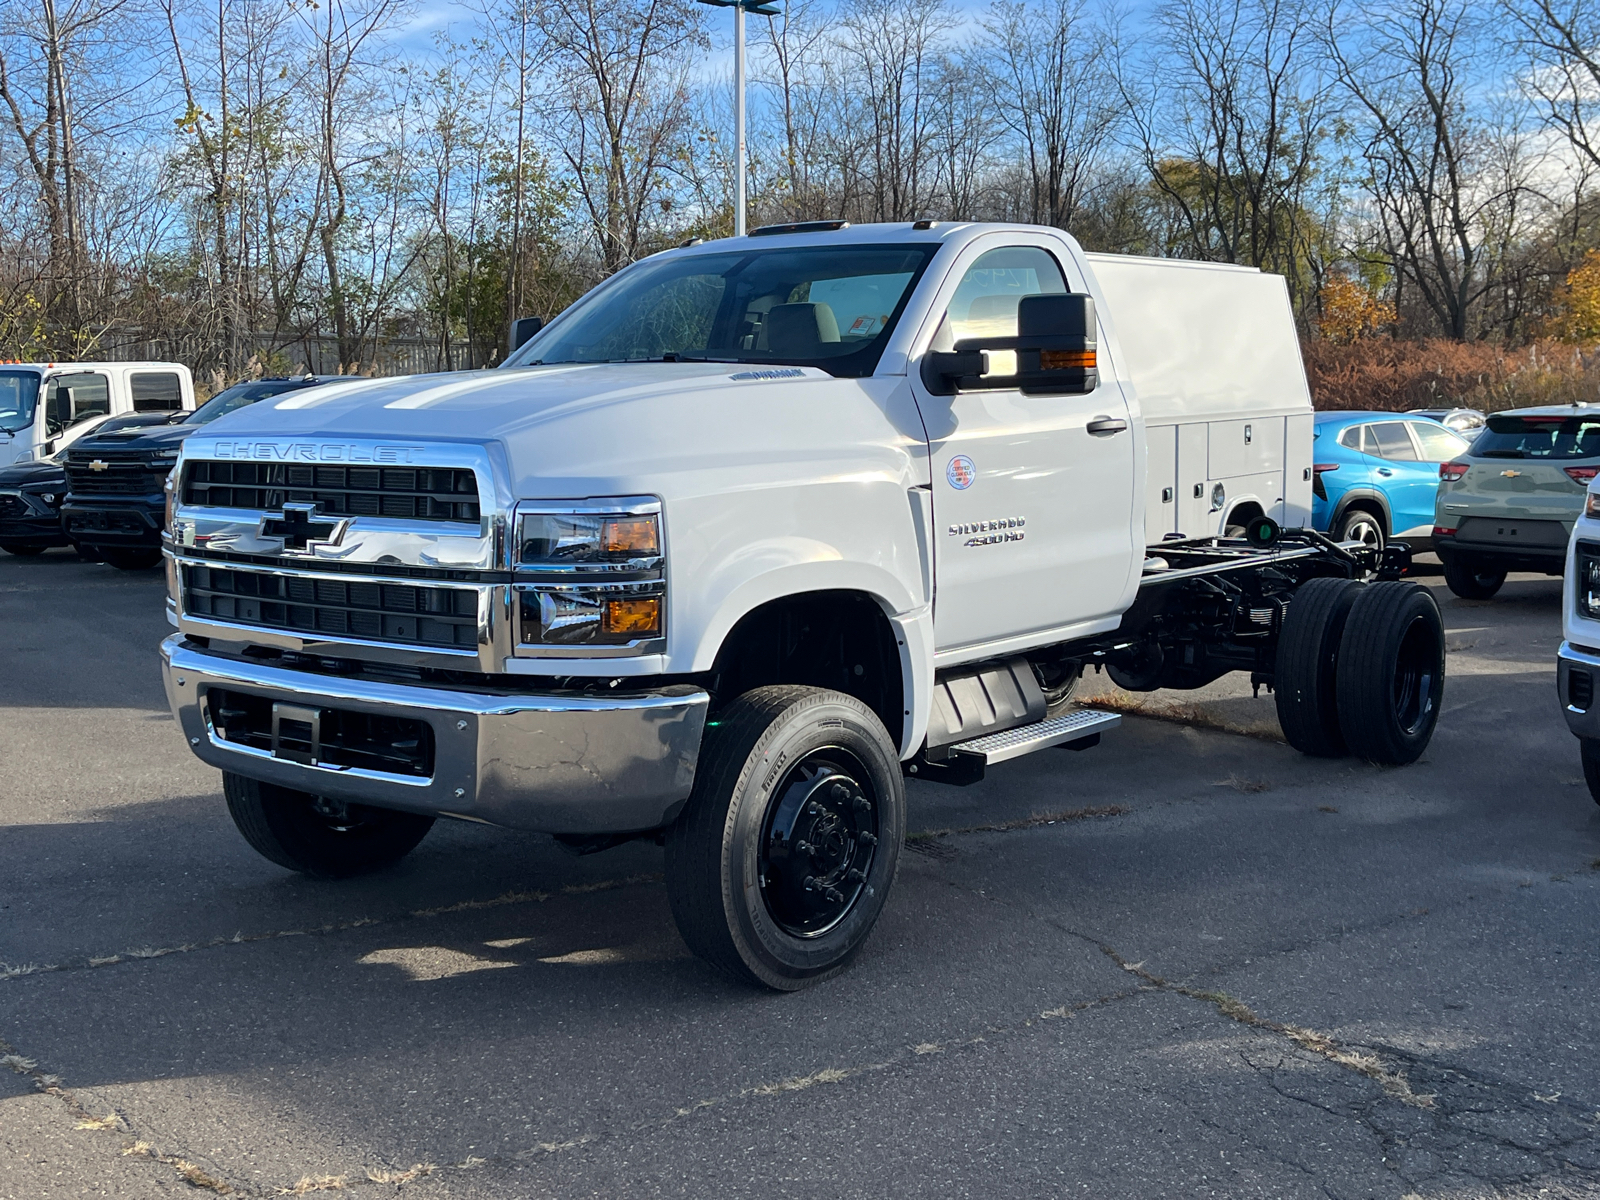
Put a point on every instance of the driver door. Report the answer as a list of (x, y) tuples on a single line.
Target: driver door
[(75, 404), (1033, 513)]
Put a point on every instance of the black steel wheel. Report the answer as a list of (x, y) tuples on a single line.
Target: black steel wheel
[(318, 835), (781, 861), (1390, 679), (1591, 766), (1307, 661), (1471, 579)]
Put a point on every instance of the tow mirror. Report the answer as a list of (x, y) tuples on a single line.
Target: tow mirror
[(524, 328), (1055, 345)]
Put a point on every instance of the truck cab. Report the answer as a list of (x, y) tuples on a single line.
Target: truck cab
[(45, 407)]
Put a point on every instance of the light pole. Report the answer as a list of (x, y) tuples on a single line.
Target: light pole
[(740, 7)]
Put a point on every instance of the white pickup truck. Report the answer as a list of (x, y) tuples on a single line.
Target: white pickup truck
[(752, 532), (45, 407)]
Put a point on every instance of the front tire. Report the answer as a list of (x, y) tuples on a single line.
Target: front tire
[(780, 864), (1305, 673), (316, 836), (24, 549), (1469, 580), (131, 560), (1591, 766), (1391, 672)]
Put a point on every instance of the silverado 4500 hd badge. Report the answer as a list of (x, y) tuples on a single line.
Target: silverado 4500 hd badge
[(990, 533)]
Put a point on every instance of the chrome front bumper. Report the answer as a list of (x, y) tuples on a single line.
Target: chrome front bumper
[(1583, 721), (556, 763)]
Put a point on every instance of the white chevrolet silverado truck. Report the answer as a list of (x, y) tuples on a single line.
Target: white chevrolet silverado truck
[(751, 533)]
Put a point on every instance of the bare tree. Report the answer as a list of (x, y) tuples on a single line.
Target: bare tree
[(1054, 97), (1230, 128), (621, 77), (1446, 185)]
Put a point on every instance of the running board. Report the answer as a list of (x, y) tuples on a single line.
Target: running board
[(965, 761)]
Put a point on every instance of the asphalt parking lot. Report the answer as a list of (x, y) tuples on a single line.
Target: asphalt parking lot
[(1189, 962)]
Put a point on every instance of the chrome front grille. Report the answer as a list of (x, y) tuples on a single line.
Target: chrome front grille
[(400, 613), (407, 493)]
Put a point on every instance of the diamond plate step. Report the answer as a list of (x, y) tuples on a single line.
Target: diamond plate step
[(1025, 739)]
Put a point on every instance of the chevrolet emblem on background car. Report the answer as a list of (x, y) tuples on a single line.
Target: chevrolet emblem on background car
[(97, 465), (1510, 474)]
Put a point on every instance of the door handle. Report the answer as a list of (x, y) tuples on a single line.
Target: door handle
[(1106, 426), (1385, 471)]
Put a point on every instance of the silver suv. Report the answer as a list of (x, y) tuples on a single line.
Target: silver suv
[(1509, 503)]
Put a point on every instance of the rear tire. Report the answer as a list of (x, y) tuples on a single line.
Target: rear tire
[(1304, 683), (1390, 680), (1469, 580), (1591, 766), (131, 560), (780, 864), (25, 550), (323, 839), (1359, 525)]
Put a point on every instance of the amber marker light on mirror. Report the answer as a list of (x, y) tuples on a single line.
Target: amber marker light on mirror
[(1066, 360), (638, 618)]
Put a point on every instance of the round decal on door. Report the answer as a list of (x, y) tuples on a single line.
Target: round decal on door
[(961, 473)]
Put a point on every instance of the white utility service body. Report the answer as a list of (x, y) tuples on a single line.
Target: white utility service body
[(894, 477), (45, 407)]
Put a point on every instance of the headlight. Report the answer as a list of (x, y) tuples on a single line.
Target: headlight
[(1588, 572), (590, 574)]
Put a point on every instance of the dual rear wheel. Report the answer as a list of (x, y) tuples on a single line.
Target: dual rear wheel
[(1360, 670)]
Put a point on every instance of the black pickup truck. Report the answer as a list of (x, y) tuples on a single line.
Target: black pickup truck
[(115, 508)]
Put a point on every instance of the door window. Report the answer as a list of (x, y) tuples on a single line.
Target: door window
[(985, 303), (1393, 441), (1438, 443), (76, 397), (156, 391)]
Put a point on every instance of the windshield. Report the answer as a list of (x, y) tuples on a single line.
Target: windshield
[(243, 394), (1548, 437), (821, 306), (19, 392)]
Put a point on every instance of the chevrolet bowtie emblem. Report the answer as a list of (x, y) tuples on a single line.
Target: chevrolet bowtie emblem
[(300, 530), (98, 465), (1510, 474)]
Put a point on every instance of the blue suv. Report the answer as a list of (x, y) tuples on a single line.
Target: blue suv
[(1375, 475)]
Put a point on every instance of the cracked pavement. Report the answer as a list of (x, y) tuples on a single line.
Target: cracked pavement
[(1240, 973)]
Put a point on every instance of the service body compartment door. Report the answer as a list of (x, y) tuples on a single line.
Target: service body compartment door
[(1160, 481), (1033, 515), (1195, 518)]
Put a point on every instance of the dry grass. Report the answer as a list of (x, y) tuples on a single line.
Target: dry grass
[(1391, 374)]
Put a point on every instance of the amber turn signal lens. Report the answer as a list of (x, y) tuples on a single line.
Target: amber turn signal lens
[(1591, 506), (630, 535), (1066, 360), (637, 617)]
